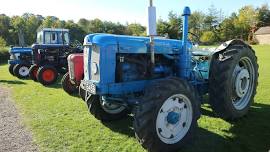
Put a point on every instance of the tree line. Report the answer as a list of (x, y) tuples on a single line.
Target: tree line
[(207, 27)]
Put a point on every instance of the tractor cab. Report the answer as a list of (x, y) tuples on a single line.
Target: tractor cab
[(50, 53), (48, 36)]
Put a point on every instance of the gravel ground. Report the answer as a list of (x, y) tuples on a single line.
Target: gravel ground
[(13, 135)]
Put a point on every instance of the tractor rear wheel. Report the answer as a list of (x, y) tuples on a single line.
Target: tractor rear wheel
[(105, 111), (33, 72), (21, 71), (47, 75), (233, 81), (68, 86), (10, 69), (166, 118)]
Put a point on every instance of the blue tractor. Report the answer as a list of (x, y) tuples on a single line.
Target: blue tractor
[(50, 54), (20, 61), (163, 81)]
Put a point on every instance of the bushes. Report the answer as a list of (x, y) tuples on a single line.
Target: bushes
[(4, 54), (208, 37)]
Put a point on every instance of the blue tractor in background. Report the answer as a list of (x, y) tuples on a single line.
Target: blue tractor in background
[(20, 61), (163, 82), (49, 55)]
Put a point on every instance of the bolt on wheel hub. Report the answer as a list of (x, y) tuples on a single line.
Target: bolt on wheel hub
[(174, 119), (242, 83)]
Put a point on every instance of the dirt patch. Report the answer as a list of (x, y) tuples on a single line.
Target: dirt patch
[(13, 135)]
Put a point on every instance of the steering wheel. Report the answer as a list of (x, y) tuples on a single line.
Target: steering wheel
[(77, 44)]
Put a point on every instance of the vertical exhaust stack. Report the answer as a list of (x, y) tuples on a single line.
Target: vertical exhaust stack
[(152, 30), (184, 56)]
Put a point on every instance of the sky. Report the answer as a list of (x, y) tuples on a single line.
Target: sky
[(122, 11)]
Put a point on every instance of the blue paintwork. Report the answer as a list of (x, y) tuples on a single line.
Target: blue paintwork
[(20, 50), (173, 117), (110, 45), (185, 56)]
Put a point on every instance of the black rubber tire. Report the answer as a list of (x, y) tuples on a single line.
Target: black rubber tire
[(68, 87), (220, 81), (96, 110), (32, 76), (146, 114), (16, 72), (40, 72), (82, 93), (10, 69)]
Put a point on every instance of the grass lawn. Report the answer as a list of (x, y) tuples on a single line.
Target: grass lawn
[(60, 122)]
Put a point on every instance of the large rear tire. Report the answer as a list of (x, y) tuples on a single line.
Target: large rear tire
[(105, 111), (33, 72), (10, 69), (233, 81), (68, 86), (47, 75), (166, 118), (21, 71)]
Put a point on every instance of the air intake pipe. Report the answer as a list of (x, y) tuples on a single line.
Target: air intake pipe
[(185, 56)]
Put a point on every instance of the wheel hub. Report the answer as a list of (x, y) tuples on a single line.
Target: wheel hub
[(23, 71), (173, 117), (242, 83)]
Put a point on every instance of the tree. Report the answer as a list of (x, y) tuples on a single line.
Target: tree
[(19, 25), (263, 15), (135, 29), (208, 37), (3, 43), (196, 23)]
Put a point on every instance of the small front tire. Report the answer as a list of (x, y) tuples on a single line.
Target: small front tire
[(10, 69), (33, 72), (68, 86), (47, 75), (21, 71), (105, 111)]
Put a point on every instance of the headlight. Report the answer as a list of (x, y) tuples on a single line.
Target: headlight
[(94, 68)]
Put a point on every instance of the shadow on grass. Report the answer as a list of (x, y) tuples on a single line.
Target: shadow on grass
[(123, 126), (250, 133), (12, 82)]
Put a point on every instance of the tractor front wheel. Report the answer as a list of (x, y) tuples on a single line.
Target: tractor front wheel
[(82, 93), (47, 75), (33, 72), (10, 69), (166, 118), (233, 81), (105, 111), (21, 71), (68, 86)]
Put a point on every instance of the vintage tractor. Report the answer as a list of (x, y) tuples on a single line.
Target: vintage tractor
[(20, 61), (72, 79), (50, 55), (163, 81)]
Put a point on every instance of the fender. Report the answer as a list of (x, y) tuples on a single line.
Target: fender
[(75, 66), (220, 49)]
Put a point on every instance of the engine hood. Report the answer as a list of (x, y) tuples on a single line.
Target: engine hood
[(20, 50), (134, 44)]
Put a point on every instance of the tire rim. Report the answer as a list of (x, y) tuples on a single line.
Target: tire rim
[(111, 108), (243, 84), (24, 71), (48, 75), (174, 119)]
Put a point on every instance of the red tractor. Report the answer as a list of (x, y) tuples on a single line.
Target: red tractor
[(72, 79)]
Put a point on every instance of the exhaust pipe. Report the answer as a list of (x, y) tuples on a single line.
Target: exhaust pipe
[(152, 31)]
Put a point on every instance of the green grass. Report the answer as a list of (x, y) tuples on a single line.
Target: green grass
[(62, 123)]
